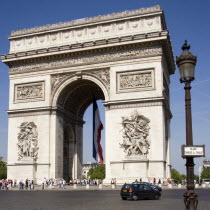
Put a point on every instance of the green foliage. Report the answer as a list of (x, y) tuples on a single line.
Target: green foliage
[(205, 173), (97, 173), (90, 172), (3, 170), (176, 176), (196, 177)]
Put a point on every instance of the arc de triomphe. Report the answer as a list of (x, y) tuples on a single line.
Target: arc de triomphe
[(124, 59)]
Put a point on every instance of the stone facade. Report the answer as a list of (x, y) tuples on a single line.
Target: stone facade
[(124, 59)]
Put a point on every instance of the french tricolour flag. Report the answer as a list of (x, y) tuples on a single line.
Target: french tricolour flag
[(97, 128)]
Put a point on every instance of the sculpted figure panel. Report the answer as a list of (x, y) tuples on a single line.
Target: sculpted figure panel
[(28, 141), (135, 80), (135, 135), (30, 91)]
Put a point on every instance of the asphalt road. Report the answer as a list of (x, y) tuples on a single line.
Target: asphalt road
[(94, 200)]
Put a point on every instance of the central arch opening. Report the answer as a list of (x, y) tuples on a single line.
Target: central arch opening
[(73, 101)]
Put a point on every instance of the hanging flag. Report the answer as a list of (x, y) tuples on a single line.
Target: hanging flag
[(97, 128)]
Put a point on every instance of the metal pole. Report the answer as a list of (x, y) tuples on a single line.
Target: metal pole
[(190, 197)]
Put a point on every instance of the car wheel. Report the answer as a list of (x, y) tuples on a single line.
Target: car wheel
[(157, 197), (135, 197), (124, 198)]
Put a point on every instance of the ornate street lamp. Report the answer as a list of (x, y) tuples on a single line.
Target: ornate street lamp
[(186, 63)]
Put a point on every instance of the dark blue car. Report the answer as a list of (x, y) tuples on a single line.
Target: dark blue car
[(137, 191)]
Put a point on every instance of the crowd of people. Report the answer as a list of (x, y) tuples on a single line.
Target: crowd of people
[(61, 183), (46, 183)]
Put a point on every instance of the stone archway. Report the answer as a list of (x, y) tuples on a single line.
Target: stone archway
[(73, 99), (68, 152)]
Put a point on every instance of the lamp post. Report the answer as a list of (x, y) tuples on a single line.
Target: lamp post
[(186, 63)]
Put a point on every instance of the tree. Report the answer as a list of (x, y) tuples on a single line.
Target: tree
[(176, 176), (205, 173), (3, 170), (97, 172), (90, 172)]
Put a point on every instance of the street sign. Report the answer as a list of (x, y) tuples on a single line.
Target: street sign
[(193, 151)]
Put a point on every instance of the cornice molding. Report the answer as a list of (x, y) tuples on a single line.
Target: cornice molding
[(81, 46), (45, 111), (125, 14), (133, 103)]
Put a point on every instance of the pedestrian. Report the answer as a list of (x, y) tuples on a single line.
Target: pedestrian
[(26, 184), (159, 182), (154, 181), (32, 184), (64, 184), (60, 183)]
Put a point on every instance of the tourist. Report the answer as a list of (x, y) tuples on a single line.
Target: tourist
[(32, 184), (21, 185), (26, 184), (64, 184), (60, 183)]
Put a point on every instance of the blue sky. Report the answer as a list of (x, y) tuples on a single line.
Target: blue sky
[(185, 20)]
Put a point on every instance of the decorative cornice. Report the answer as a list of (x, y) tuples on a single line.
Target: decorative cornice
[(90, 20), (87, 58), (27, 113), (44, 111), (133, 104), (72, 48)]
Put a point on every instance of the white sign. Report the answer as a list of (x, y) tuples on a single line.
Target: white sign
[(193, 151)]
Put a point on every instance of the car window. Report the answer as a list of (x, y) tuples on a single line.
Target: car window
[(146, 187), (126, 187), (135, 186)]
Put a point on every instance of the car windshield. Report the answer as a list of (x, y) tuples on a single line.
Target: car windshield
[(206, 180)]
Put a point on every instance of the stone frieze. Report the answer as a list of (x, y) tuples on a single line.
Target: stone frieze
[(29, 91), (135, 80), (86, 59)]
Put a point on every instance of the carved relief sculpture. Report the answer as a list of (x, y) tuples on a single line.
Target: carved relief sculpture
[(28, 141), (85, 59), (30, 91), (132, 81), (135, 135), (102, 74)]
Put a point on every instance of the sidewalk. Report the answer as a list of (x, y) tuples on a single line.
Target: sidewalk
[(97, 187)]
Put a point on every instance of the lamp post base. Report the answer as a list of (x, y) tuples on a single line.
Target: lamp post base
[(190, 200)]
